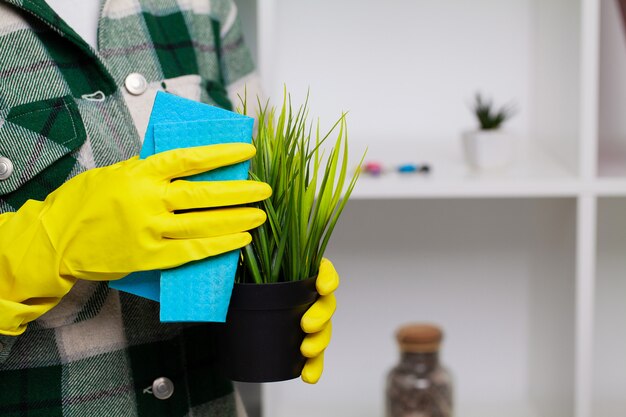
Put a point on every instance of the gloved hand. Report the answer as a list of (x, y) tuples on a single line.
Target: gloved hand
[(108, 222), (316, 322)]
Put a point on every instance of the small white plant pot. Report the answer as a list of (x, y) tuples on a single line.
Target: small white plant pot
[(488, 149)]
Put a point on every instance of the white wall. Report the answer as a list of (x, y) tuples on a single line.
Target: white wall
[(554, 110), (503, 293), (404, 69)]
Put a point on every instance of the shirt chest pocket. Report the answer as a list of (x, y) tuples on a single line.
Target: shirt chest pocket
[(37, 141)]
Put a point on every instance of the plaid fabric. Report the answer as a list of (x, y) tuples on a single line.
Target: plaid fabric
[(63, 110)]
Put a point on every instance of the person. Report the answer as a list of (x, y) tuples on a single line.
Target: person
[(79, 208)]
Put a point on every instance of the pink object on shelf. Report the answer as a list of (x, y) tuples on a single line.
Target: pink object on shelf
[(373, 168)]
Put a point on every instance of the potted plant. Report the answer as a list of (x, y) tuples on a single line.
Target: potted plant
[(275, 285), (489, 147)]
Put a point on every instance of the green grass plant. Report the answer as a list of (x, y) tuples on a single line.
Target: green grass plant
[(310, 191)]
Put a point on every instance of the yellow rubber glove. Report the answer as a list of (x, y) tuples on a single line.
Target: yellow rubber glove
[(108, 222), (316, 323)]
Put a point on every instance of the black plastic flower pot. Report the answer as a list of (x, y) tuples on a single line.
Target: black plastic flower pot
[(260, 341)]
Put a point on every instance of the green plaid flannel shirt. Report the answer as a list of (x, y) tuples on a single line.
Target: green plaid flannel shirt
[(63, 110)]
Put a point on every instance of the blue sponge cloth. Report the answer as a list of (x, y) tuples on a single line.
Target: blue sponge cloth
[(198, 291)]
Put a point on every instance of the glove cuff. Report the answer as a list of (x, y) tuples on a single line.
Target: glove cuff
[(30, 284)]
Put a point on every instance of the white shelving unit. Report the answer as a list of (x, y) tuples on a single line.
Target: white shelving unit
[(524, 268)]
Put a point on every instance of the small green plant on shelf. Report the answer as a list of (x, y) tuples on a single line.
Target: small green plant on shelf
[(488, 117), (310, 191)]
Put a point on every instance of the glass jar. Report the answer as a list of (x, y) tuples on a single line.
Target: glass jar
[(419, 386)]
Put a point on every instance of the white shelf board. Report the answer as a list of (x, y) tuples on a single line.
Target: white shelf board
[(507, 409), (462, 410), (610, 187), (532, 174)]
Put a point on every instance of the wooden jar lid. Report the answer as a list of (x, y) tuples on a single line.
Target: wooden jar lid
[(419, 338)]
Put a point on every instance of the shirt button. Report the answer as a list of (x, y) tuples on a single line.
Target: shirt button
[(136, 84), (6, 168), (162, 388)]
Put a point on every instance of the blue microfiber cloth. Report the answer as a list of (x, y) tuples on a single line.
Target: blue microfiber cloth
[(198, 291)]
